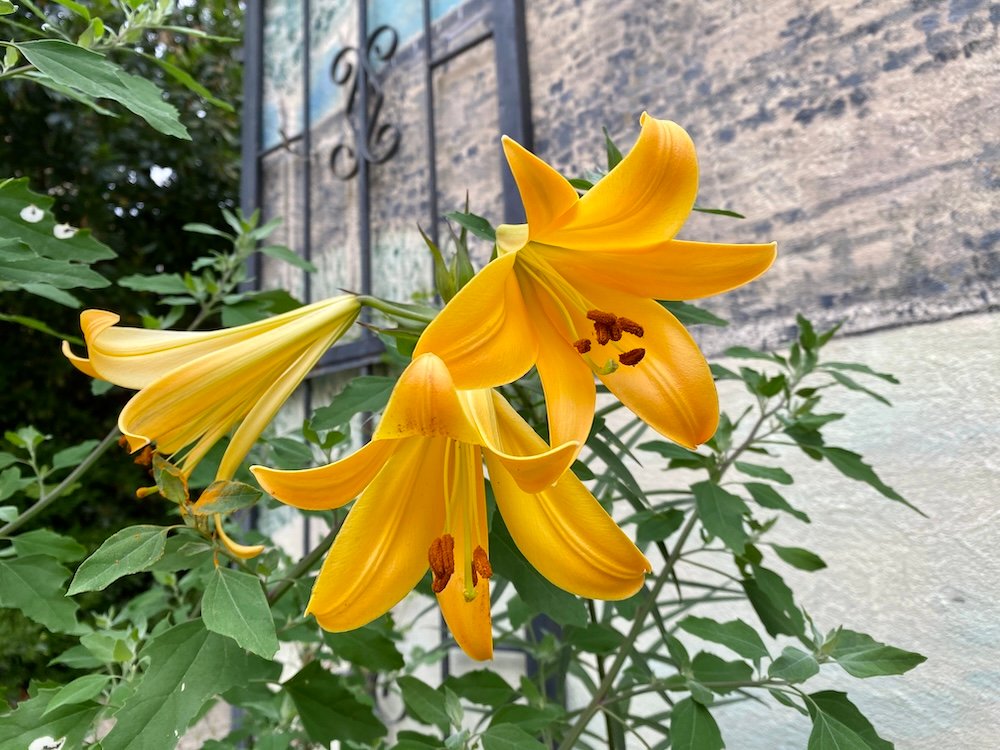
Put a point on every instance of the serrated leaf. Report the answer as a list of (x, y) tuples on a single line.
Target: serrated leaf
[(839, 725), (289, 256), (718, 674), (794, 665), (735, 635), (771, 473), (49, 543), (22, 265), (161, 283), (423, 702), (188, 666), (226, 497), (93, 75), (329, 711), (721, 514), (509, 737), (80, 690), (28, 722), (767, 497), (128, 551), (40, 233), (656, 526), (234, 605), (693, 728), (799, 558), (365, 393), (862, 656), (850, 465), (774, 603), (34, 585)]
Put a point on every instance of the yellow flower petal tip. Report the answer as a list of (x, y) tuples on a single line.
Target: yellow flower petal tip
[(195, 387), (611, 252), (242, 551)]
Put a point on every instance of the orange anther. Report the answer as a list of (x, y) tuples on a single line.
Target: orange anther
[(630, 326), (632, 357), (599, 316), (582, 345)]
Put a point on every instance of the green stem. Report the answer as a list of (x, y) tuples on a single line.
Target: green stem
[(45, 501), (392, 310), (302, 567), (637, 626)]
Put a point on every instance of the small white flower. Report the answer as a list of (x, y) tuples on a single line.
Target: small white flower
[(64, 231), (47, 743), (32, 214)]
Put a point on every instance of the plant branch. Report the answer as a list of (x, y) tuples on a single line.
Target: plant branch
[(44, 501), (302, 567)]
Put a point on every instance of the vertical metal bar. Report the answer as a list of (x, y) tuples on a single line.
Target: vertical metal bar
[(306, 157), (364, 198), (510, 42), (432, 197), (250, 147)]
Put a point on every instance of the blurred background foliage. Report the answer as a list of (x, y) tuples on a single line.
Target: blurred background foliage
[(134, 188)]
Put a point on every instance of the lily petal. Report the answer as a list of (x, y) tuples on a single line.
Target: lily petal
[(674, 270), (330, 486), (671, 389), (568, 537), (381, 551), (424, 402), (484, 335), (545, 193), (469, 621), (642, 201), (534, 466)]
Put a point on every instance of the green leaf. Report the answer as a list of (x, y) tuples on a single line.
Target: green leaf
[(80, 690), (509, 737), (743, 352), (850, 465), (721, 514), (767, 497), (161, 283), (364, 393), (716, 673), (254, 306), (74, 455), (77, 8), (693, 728), (794, 665), (22, 265), (226, 497), (170, 480), (856, 367), (128, 551), (799, 558), (289, 256), (692, 315), (656, 526), (719, 212), (581, 184), (93, 75), (234, 605), (199, 228), (862, 656), (7, 7), (774, 603), (49, 543), (772, 473), (40, 233), (671, 451), (30, 721), (528, 718), (366, 647), (735, 635), (614, 155), (185, 79), (8, 512), (188, 666), (38, 325), (595, 638), (536, 592), (329, 711), (481, 686), (839, 725), (34, 585), (475, 224), (423, 702), (853, 385)]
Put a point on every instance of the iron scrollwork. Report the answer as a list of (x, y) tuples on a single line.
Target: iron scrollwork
[(381, 140)]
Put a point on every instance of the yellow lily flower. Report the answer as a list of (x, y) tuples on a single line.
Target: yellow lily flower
[(422, 504), (573, 293), (195, 386)]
